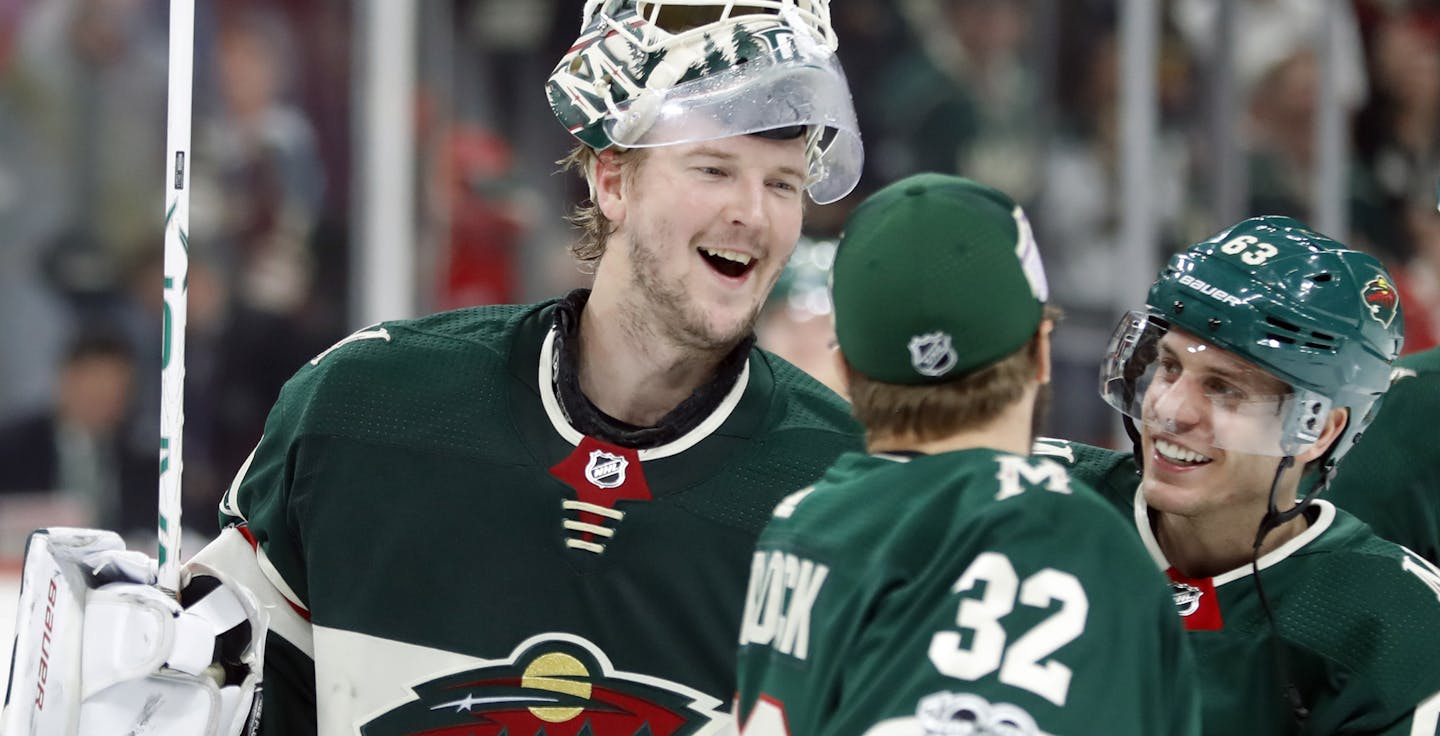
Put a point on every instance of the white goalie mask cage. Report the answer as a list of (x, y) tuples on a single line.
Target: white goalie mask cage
[(664, 72)]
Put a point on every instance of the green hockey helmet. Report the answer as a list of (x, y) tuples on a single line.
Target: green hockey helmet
[(1291, 303), (647, 73)]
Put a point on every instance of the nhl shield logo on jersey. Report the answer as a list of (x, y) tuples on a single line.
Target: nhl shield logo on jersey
[(1187, 597), (1195, 601), (552, 685), (606, 470), (932, 354), (1382, 300), (603, 477)]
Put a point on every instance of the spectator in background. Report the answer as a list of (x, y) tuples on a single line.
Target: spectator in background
[(1398, 151), (74, 448), (796, 322), (254, 210), (1398, 135), (89, 73), (258, 197), (1417, 277), (1277, 73), (874, 32), (1080, 217), (83, 121), (1282, 155), (964, 99)]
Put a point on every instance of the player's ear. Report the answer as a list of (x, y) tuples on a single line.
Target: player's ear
[(1042, 351), (842, 370), (1334, 426), (610, 185)]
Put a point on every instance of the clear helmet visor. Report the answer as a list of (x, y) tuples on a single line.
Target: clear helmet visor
[(758, 95), (1173, 383)]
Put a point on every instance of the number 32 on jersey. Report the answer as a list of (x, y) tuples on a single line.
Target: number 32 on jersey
[(982, 645)]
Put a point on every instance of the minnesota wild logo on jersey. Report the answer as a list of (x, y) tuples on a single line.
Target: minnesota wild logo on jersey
[(553, 685)]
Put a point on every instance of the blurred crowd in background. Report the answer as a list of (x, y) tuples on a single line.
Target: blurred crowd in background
[(1020, 94)]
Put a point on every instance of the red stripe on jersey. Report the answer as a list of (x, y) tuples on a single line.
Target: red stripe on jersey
[(244, 530), (1195, 601)]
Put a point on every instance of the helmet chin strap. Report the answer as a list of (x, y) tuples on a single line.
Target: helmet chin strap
[(1274, 518), (1134, 434)]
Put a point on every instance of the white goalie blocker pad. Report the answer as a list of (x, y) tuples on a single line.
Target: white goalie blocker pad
[(99, 650)]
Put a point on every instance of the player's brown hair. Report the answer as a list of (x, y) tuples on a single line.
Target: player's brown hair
[(595, 228), (930, 412)]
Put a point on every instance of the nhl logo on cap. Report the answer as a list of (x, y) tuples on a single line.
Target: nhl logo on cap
[(932, 354), (931, 266), (606, 470)]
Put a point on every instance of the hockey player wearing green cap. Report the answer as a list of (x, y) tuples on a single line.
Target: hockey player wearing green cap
[(945, 581), (1258, 361)]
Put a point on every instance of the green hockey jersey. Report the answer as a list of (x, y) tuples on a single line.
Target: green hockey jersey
[(1391, 480), (973, 592), (465, 562), (1356, 637)]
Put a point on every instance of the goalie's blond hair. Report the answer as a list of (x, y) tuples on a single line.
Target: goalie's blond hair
[(595, 228)]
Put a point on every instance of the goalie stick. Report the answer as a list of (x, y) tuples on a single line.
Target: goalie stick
[(177, 266), (103, 644)]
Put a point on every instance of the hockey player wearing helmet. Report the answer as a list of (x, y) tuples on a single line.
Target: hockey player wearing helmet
[(539, 519), (1261, 357), (945, 581), (583, 480)]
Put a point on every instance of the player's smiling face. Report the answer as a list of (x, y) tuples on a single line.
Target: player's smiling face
[(1203, 410), (703, 231)]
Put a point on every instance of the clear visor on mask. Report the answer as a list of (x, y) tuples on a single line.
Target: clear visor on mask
[(758, 95), (1201, 395)]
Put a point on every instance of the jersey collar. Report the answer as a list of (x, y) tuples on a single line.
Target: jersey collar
[(550, 399), (1325, 518)]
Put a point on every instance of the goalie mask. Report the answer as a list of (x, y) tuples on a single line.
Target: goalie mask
[(645, 74), (1250, 338)]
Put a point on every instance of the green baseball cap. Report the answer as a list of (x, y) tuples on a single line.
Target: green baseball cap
[(935, 276)]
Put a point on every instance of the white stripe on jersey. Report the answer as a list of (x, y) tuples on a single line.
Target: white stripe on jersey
[(1426, 721)]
